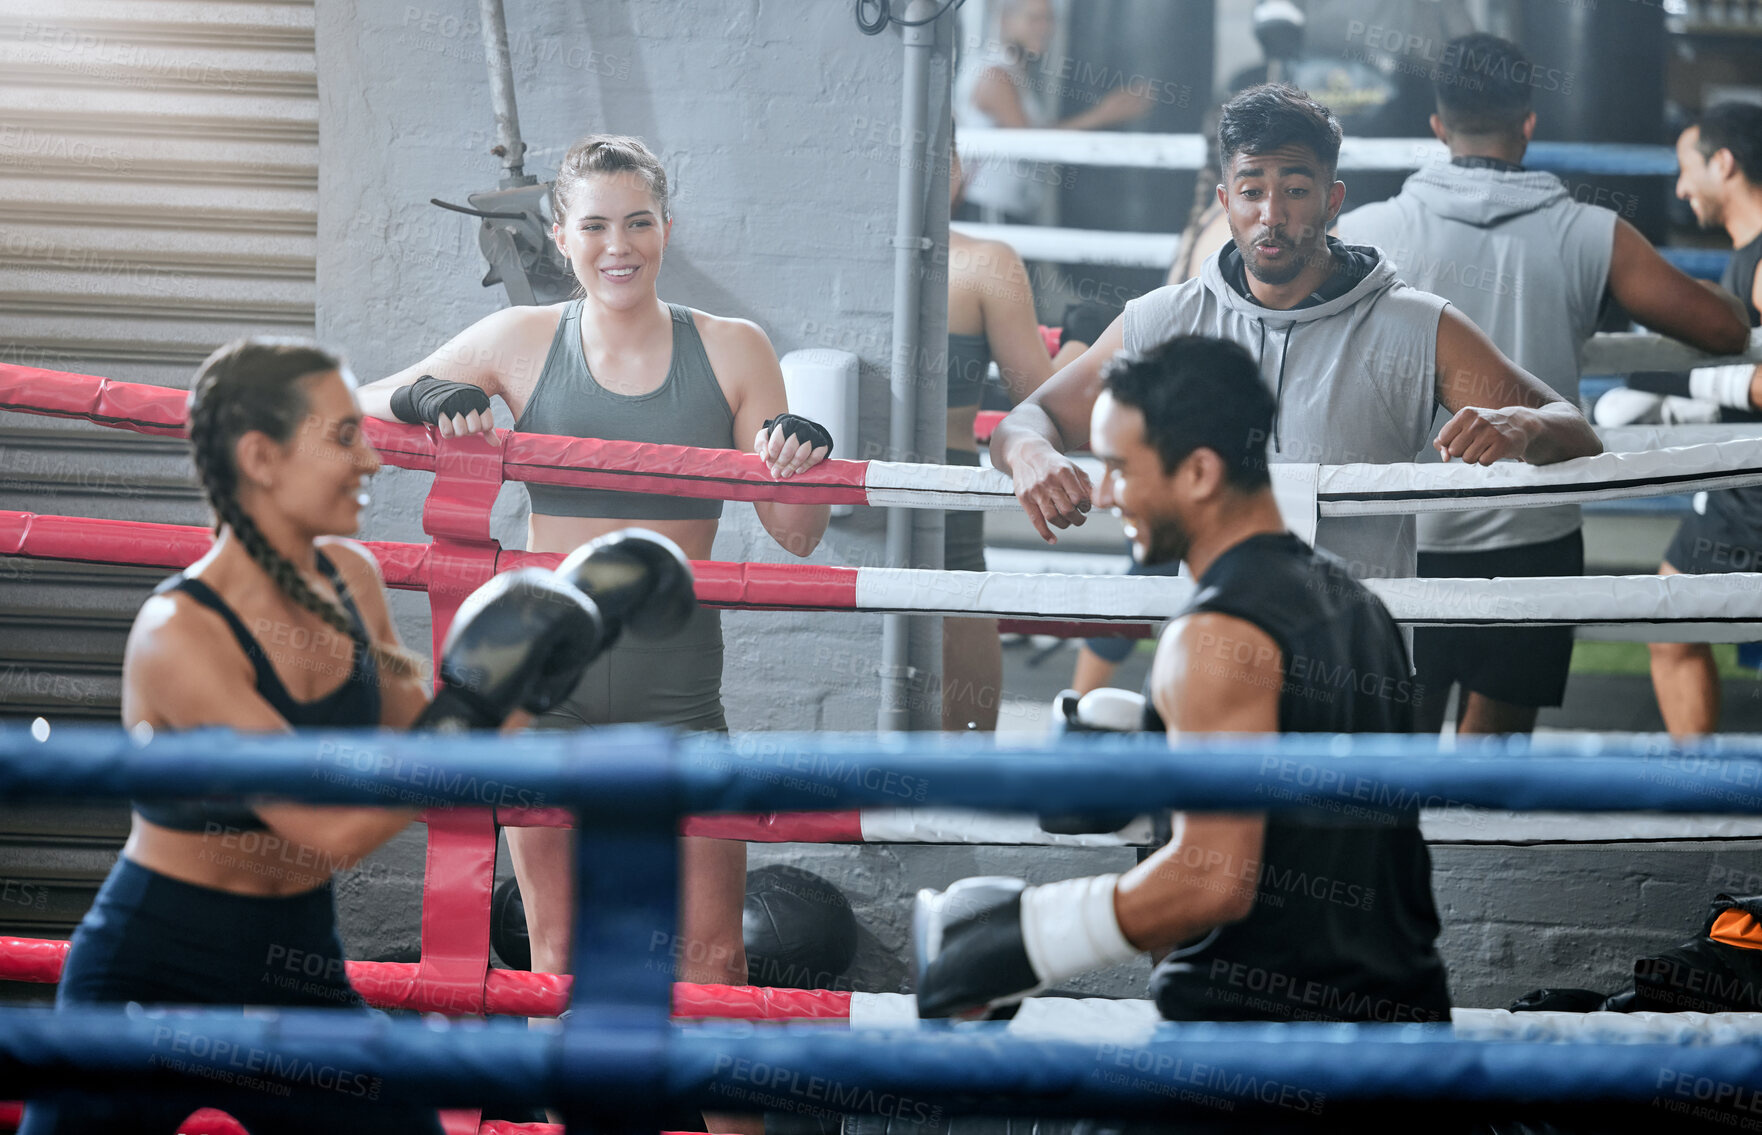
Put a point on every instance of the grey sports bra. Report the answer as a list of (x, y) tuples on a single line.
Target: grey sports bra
[(688, 408), (969, 361)]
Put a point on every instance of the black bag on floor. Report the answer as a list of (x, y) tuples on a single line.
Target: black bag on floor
[(1720, 971)]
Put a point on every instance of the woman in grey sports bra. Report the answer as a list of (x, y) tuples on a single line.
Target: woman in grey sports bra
[(990, 316), (619, 363)]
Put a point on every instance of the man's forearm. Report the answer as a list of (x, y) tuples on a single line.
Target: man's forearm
[(1027, 425), (1167, 900), (1560, 433), (1735, 338)]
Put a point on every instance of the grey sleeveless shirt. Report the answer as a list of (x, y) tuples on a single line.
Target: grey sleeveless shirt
[(688, 408), (1515, 253), (1355, 379)]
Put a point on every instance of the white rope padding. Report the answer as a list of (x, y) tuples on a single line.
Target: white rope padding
[(1171, 151), (951, 825), (1079, 246), (1438, 825), (1367, 490), (1127, 1022), (1634, 439), (1643, 608), (1621, 352), (1380, 490), (1188, 152)]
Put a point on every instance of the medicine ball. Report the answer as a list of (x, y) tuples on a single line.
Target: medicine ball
[(799, 930), (507, 926)]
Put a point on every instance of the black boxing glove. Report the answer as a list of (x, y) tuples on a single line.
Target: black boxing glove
[(429, 399), (520, 641), (637, 579), (1085, 322), (805, 430), (987, 942)]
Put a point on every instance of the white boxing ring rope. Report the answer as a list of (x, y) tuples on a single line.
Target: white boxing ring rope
[(1381, 490), (1646, 608), (1129, 150)]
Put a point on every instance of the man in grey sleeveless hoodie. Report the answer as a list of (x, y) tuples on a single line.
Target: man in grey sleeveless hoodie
[(1512, 250), (1355, 358)]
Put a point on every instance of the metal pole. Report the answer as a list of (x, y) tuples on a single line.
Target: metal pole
[(908, 251), (508, 147)]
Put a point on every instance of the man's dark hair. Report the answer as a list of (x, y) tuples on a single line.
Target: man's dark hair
[(1271, 115), (1734, 126), (1483, 85), (1197, 392)]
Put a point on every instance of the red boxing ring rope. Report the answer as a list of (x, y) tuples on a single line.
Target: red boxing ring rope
[(209, 1121), (505, 992), (627, 466)]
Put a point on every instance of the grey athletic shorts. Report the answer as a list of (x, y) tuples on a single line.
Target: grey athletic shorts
[(963, 533), (668, 681)]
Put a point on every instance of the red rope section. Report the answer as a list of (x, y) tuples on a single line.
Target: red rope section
[(412, 567), (772, 827), (985, 424), (32, 959), (209, 1121), (780, 827), (627, 466), (507, 992)]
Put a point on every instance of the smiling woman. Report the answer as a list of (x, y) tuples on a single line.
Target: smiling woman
[(619, 363), (283, 624)]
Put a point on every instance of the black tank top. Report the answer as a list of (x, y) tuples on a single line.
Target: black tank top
[(1739, 277), (1344, 925), (1741, 508), (355, 703)]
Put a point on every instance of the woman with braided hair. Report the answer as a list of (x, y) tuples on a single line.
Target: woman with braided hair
[(619, 363), (282, 624)]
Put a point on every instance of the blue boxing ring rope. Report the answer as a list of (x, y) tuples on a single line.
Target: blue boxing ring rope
[(618, 1060)]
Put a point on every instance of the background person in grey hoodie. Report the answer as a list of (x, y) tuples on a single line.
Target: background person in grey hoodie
[(1514, 252), (1355, 359)]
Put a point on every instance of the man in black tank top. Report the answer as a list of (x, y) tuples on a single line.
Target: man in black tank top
[(1324, 915), (1721, 178)]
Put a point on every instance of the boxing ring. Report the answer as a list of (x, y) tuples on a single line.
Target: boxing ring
[(619, 1058), (645, 786)]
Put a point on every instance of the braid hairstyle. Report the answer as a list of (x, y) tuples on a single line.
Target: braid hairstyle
[(254, 384)]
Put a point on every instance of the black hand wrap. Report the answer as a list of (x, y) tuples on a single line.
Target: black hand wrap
[(1085, 322), (805, 430), (429, 399)]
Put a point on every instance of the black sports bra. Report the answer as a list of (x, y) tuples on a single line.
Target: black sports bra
[(355, 702)]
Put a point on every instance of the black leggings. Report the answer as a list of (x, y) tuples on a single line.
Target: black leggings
[(155, 940)]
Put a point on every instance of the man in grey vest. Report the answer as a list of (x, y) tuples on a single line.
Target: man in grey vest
[(1512, 250), (1355, 359)]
